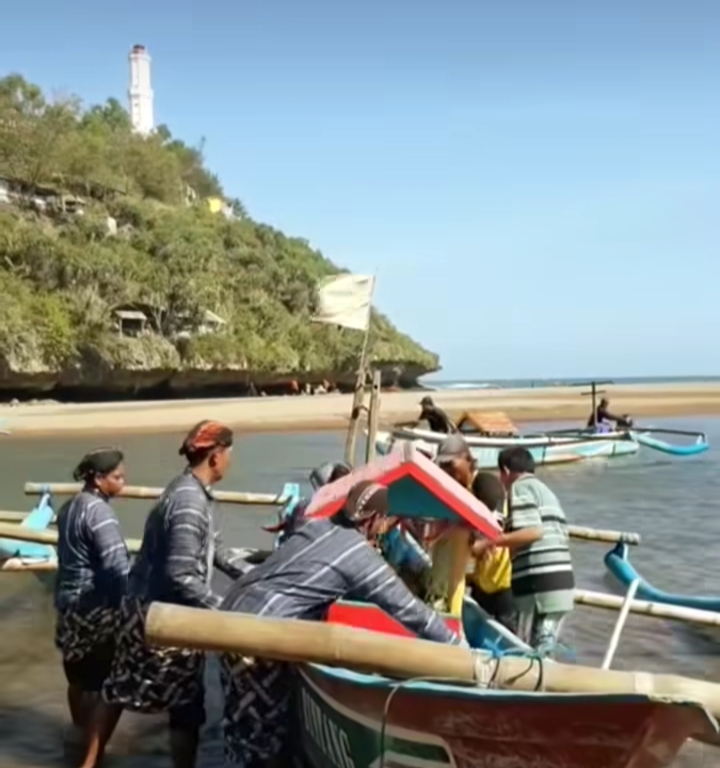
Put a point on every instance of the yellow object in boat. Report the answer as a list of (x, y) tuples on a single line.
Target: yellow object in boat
[(449, 563), (493, 572)]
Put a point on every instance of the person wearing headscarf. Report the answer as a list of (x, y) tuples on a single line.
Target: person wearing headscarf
[(91, 579), (175, 564), (322, 561)]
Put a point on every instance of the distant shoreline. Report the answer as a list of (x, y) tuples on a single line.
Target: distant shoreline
[(326, 412)]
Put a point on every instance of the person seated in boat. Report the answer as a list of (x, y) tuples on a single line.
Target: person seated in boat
[(543, 583), (91, 580), (322, 561), (175, 563), (603, 420), (490, 583)]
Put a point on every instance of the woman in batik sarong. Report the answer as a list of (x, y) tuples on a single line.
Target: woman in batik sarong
[(175, 564), (91, 579), (321, 561)]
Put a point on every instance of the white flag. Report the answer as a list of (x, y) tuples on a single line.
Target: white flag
[(346, 300)]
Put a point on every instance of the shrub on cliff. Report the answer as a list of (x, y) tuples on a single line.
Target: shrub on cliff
[(65, 273)]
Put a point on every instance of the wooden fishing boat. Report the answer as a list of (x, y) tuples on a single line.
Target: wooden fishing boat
[(353, 720), (489, 433), (617, 561)]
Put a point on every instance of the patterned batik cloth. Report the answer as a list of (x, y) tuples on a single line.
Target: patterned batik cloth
[(257, 713), (79, 633), (151, 679)]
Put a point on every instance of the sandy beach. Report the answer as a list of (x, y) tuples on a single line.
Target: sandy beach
[(332, 411)]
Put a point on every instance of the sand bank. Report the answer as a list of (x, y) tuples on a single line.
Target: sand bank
[(332, 411)]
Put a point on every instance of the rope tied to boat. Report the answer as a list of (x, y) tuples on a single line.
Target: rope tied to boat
[(486, 665)]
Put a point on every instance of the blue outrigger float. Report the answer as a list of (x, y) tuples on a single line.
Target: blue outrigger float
[(22, 555), (617, 561)]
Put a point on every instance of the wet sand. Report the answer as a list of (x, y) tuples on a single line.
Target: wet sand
[(269, 414)]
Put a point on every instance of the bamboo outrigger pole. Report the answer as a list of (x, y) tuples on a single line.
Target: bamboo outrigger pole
[(601, 536), (406, 658), (141, 492), (18, 533)]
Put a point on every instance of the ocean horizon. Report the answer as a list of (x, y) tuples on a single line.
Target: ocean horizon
[(438, 384)]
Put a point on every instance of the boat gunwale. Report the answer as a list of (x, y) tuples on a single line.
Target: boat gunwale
[(539, 440)]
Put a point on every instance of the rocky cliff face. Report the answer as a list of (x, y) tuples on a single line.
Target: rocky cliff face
[(98, 232)]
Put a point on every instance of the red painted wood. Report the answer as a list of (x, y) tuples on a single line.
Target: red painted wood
[(408, 462), (375, 619)]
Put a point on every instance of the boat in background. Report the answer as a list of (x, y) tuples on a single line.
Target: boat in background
[(617, 561), (488, 433), (353, 720)]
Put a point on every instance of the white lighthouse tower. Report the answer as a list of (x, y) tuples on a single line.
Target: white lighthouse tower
[(140, 92)]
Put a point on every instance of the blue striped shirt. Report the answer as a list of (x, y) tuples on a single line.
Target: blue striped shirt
[(320, 563), (93, 559), (180, 548)]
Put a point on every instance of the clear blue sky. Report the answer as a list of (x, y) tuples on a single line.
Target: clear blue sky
[(537, 182)]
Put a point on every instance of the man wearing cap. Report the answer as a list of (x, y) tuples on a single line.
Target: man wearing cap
[(437, 419), (322, 561), (491, 575)]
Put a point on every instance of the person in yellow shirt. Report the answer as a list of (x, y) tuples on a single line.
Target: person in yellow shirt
[(490, 583)]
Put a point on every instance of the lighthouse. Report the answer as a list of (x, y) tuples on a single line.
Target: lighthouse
[(140, 92)]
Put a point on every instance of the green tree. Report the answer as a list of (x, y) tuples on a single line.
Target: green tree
[(64, 276)]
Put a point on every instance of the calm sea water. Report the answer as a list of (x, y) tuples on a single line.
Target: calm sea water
[(673, 503), (439, 382)]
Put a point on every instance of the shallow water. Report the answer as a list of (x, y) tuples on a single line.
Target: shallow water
[(672, 502)]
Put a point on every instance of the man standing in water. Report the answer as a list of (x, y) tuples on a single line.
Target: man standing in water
[(175, 565), (543, 583), (437, 419)]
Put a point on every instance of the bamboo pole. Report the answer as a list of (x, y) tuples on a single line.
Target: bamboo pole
[(50, 538), (358, 406), (406, 658), (601, 536), (373, 417), (12, 517), (141, 492), (647, 608)]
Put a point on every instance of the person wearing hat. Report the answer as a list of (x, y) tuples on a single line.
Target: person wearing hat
[(175, 565), (436, 418), (322, 561)]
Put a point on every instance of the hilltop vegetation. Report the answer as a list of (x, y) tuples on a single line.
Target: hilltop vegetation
[(145, 236)]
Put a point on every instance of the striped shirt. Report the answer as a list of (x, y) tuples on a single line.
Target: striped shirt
[(322, 562), (542, 570), (93, 559), (180, 548)]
